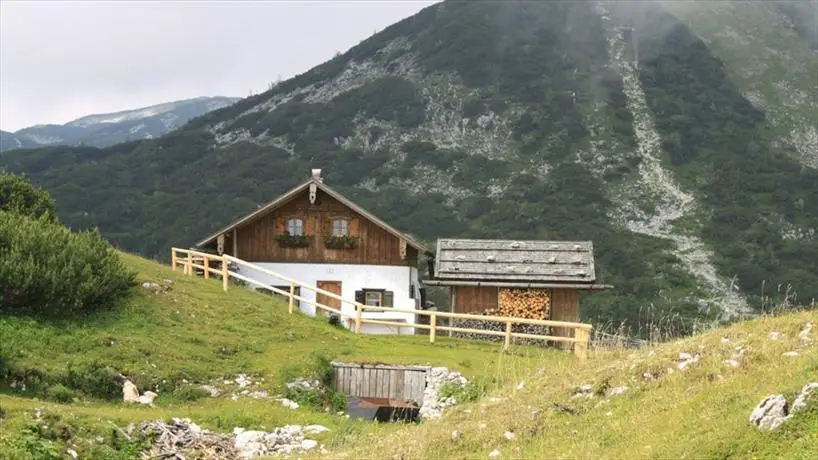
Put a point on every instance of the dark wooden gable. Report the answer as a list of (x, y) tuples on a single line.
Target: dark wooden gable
[(256, 240)]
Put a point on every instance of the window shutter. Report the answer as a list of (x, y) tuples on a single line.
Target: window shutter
[(388, 297), (359, 297)]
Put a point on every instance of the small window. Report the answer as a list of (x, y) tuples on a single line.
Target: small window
[(375, 297), (295, 227), (340, 227)]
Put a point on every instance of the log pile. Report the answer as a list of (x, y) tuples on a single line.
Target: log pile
[(525, 303), (499, 327)]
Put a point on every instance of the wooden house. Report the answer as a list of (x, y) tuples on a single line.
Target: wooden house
[(315, 235), (528, 279)]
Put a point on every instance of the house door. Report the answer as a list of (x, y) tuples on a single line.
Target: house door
[(333, 287)]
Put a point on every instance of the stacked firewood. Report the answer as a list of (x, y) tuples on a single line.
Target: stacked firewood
[(525, 303), (499, 327)]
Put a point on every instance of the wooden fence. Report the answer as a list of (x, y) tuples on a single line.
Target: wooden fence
[(190, 260)]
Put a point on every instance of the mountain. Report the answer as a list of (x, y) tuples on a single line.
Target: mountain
[(666, 133), (112, 128)]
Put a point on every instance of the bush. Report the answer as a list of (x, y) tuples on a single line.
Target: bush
[(94, 379), (45, 269), (19, 196), (59, 393)]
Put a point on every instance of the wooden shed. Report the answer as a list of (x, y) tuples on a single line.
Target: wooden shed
[(527, 279)]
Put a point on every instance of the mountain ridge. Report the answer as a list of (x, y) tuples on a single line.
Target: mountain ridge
[(513, 120), (102, 130)]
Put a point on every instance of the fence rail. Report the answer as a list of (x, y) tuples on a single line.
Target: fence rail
[(191, 260)]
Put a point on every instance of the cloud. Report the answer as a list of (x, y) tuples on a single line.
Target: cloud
[(60, 61)]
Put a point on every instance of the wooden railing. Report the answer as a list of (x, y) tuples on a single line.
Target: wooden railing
[(191, 260)]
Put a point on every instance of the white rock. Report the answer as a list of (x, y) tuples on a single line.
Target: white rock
[(72, 453), (725, 340), (288, 403), (520, 385), (775, 335), (495, 453), (147, 398), (211, 389), (129, 392), (482, 425), (770, 413), (315, 429), (685, 356), (457, 434), (732, 363), (509, 436), (804, 334), (790, 354), (616, 391), (309, 444), (801, 400)]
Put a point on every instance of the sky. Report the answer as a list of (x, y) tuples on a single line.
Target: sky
[(61, 60)]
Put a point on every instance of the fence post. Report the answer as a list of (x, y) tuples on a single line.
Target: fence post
[(173, 259), (206, 265), (508, 336), (432, 327), (358, 318), (189, 264), (225, 274), (292, 297), (581, 345)]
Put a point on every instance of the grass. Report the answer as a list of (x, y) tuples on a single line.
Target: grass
[(195, 332), (701, 412)]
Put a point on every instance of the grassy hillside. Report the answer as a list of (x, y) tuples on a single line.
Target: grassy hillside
[(196, 333), (701, 412)]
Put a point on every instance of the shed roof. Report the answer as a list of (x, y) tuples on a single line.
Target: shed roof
[(515, 261), (318, 181)]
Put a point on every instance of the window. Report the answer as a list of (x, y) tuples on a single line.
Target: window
[(375, 297), (340, 227), (295, 227)]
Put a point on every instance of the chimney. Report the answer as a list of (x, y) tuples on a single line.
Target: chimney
[(316, 175)]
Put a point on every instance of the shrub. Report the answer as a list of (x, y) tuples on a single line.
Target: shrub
[(59, 393), (45, 269), (19, 196), (94, 379)]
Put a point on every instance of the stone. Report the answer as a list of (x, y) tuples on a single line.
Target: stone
[(616, 391), (687, 360), (790, 354), (150, 285), (309, 444), (509, 436), (804, 335), (732, 363), (456, 434), (585, 388), (520, 386), (725, 340), (211, 389), (775, 335), (72, 453), (288, 403), (147, 398), (434, 405), (129, 392), (315, 429), (495, 453), (770, 413), (801, 400)]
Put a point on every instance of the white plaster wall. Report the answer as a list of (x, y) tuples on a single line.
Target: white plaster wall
[(353, 278)]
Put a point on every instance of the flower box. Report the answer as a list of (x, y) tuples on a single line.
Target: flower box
[(340, 242), (293, 241)]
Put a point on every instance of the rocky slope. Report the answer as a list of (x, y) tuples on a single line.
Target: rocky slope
[(632, 125), (112, 128)]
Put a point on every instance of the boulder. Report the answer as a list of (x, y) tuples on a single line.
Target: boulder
[(770, 413), (129, 392)]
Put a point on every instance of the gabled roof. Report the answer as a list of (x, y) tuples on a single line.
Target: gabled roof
[(515, 261), (318, 181)]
